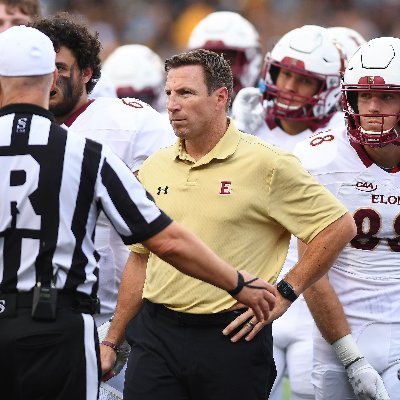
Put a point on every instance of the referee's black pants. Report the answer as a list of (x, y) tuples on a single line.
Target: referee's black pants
[(179, 356), (49, 360)]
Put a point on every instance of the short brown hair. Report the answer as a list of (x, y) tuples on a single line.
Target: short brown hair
[(216, 69), (31, 8)]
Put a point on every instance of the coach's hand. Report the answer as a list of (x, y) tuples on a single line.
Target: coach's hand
[(248, 324), (367, 384)]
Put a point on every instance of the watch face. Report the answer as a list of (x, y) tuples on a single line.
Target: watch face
[(286, 290)]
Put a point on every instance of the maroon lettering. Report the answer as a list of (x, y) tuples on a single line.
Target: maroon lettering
[(225, 187), (394, 243), (131, 103), (320, 139), (369, 223), (366, 239), (382, 199)]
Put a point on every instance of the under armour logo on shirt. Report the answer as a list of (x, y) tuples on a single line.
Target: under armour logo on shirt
[(162, 190), (2, 306)]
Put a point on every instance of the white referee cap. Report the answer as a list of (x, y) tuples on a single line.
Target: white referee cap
[(25, 51)]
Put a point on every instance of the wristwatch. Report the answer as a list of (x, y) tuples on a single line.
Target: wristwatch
[(286, 290)]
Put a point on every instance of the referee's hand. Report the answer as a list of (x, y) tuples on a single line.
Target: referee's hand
[(258, 295), (108, 358)]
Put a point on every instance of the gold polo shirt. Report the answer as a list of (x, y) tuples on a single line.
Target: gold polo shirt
[(243, 199)]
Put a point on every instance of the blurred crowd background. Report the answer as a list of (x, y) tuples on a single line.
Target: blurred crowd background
[(165, 25)]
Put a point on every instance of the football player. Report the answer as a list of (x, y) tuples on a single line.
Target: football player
[(301, 92), (357, 307)]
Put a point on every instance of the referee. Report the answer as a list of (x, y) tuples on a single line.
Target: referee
[(53, 185)]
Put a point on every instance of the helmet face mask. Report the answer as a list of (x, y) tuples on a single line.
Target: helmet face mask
[(294, 106), (309, 52), (373, 70), (356, 132)]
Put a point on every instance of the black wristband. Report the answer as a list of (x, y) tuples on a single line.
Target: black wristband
[(352, 362), (239, 285)]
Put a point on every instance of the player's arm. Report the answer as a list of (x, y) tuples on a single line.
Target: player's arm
[(331, 320), (326, 308)]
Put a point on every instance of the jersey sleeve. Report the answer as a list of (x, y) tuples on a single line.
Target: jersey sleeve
[(125, 202), (298, 202)]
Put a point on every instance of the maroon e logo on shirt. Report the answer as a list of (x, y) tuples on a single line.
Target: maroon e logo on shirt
[(225, 187)]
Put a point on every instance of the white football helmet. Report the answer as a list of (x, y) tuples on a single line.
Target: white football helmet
[(137, 71), (229, 33), (307, 51), (374, 67), (349, 39)]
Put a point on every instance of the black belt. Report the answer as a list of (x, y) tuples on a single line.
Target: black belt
[(182, 318), (79, 302)]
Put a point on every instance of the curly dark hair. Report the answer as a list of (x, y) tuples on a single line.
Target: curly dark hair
[(31, 8), (63, 30), (216, 69)]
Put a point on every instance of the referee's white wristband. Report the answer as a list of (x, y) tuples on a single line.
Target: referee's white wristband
[(347, 350)]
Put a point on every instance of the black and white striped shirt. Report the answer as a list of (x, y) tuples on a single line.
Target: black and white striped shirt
[(53, 185)]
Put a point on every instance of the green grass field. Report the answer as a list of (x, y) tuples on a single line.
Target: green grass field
[(286, 390)]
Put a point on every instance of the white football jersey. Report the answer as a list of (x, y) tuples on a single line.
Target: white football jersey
[(134, 131), (275, 135), (366, 275)]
